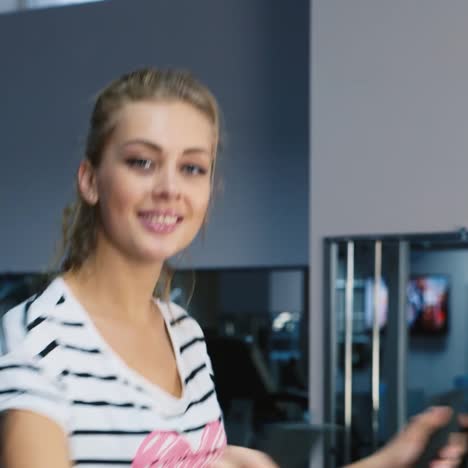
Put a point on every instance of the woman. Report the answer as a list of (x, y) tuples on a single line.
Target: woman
[(98, 371)]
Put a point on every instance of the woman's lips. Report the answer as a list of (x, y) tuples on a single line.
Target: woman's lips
[(161, 222)]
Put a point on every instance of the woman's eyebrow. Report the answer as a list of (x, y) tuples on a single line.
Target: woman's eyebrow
[(157, 148), (140, 141), (197, 151)]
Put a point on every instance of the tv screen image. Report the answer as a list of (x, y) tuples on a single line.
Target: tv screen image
[(428, 304)]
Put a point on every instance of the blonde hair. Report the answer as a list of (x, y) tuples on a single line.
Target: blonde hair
[(80, 219)]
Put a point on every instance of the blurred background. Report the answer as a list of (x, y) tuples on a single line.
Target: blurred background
[(346, 142)]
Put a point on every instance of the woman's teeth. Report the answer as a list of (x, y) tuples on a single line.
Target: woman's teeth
[(161, 219)]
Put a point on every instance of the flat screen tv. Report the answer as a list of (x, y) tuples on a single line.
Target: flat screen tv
[(428, 304)]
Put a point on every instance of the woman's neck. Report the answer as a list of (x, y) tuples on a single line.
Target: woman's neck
[(113, 286)]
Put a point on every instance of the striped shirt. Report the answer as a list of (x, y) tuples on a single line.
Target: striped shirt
[(58, 365)]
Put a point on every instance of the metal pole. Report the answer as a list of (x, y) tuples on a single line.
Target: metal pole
[(333, 337), (348, 390), (402, 337), (376, 344)]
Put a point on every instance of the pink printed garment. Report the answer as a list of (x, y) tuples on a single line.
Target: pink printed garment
[(170, 449)]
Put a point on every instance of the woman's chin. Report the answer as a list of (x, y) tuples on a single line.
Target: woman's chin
[(156, 257)]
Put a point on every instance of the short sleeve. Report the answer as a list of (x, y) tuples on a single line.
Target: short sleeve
[(24, 385)]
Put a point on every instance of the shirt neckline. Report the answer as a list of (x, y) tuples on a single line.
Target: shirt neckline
[(167, 403)]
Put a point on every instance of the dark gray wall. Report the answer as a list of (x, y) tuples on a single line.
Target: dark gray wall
[(254, 56)]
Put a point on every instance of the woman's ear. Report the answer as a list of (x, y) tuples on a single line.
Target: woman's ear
[(87, 184)]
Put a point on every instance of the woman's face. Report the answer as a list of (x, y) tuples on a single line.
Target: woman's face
[(154, 181)]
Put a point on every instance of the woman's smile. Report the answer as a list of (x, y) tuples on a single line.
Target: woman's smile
[(160, 221)]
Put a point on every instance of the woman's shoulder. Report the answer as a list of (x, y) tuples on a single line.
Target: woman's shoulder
[(29, 369), (179, 319), (34, 320)]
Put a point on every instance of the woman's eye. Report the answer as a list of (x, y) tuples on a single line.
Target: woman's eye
[(140, 163), (194, 169)]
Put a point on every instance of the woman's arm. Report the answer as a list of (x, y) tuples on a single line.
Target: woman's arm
[(241, 457), (30, 440), (406, 448)]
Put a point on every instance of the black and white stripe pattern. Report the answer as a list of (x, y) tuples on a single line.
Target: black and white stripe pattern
[(59, 366)]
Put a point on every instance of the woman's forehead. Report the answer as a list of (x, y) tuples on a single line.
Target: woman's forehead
[(168, 122)]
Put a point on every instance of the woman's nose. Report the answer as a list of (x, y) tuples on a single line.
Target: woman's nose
[(167, 183)]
